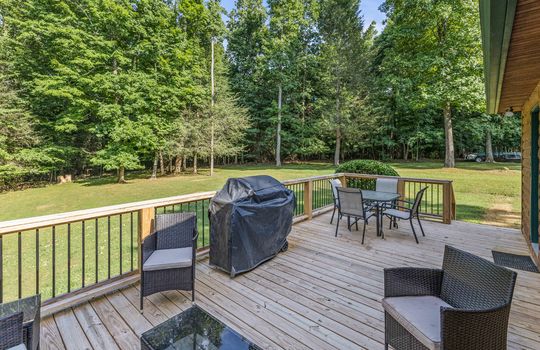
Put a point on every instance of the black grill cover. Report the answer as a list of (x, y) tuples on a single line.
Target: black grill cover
[(250, 219)]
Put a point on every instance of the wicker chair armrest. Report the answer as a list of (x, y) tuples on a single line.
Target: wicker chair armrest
[(149, 246), (411, 281), (196, 236), (475, 329), (11, 330)]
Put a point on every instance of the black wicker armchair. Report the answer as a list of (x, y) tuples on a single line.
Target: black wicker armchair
[(168, 255), (463, 306), (29, 309)]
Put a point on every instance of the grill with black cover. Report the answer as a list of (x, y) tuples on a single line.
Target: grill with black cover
[(250, 219)]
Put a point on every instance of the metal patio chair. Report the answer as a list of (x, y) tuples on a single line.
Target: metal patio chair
[(352, 205), (335, 183), (409, 212), (463, 306), (168, 255)]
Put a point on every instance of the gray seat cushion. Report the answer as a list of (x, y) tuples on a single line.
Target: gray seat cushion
[(398, 213), (18, 347), (419, 315), (163, 259)]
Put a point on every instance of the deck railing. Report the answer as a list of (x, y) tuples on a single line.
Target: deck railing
[(72, 257)]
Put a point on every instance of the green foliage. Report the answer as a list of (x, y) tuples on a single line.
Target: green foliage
[(362, 166)]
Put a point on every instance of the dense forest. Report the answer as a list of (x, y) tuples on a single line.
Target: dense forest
[(93, 86)]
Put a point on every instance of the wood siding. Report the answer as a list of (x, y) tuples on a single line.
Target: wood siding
[(528, 106), (522, 71)]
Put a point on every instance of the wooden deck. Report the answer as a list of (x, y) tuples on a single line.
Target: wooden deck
[(324, 293)]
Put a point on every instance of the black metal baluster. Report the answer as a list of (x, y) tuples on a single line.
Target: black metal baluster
[(97, 251), (69, 259), (131, 244), (83, 247), (54, 261), (203, 222), (431, 190), (108, 247), (438, 199), (37, 261), (1, 272), (121, 246), (19, 258)]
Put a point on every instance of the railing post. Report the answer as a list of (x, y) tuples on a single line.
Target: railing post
[(146, 226), (343, 180), (401, 189), (447, 203), (308, 199)]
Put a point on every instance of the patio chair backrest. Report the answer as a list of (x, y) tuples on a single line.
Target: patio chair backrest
[(175, 230), (351, 202), (335, 183), (470, 282), (386, 185), (418, 200)]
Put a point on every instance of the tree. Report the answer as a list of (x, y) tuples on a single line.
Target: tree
[(343, 53), (246, 41), (440, 55)]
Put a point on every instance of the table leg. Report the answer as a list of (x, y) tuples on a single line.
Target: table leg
[(378, 222)]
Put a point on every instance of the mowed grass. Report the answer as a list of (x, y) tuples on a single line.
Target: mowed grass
[(485, 193), (479, 189)]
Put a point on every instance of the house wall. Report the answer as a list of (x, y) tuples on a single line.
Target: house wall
[(528, 106)]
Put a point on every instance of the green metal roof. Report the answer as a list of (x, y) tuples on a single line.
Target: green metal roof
[(497, 19)]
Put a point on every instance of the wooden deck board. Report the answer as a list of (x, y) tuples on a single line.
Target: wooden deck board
[(323, 293)]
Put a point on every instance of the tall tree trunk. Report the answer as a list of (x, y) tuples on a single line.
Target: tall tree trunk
[(161, 164), (195, 164), (184, 162), (489, 148), (278, 131), (449, 159), (337, 153), (177, 165), (121, 174), (154, 167), (213, 101)]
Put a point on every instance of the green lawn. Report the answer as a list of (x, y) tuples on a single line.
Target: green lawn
[(484, 192)]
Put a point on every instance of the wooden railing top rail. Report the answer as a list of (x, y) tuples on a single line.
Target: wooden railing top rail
[(20, 225), (37, 222)]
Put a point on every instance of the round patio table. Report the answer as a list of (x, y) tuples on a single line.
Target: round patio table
[(378, 198)]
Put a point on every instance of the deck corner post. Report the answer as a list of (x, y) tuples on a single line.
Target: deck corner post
[(448, 203), (145, 228)]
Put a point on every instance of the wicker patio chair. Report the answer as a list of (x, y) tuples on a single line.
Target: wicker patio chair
[(463, 306), (351, 204), (168, 255), (411, 212), (335, 183), (30, 308), (11, 331)]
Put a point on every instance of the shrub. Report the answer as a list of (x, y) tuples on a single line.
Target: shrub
[(361, 166)]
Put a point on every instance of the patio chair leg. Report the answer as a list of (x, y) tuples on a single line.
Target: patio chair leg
[(390, 224), (421, 228), (414, 232), (333, 213), (364, 232), (349, 222), (337, 227), (356, 224), (385, 346)]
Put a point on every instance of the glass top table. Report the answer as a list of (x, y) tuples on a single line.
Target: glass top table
[(194, 329), (378, 198)]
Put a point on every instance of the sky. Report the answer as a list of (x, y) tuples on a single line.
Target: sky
[(369, 8)]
